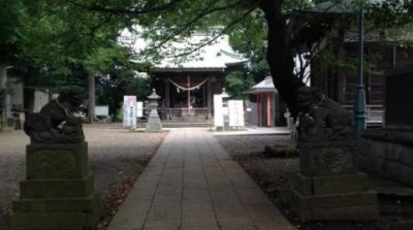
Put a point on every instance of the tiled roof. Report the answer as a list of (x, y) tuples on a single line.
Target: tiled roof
[(216, 55), (266, 85)]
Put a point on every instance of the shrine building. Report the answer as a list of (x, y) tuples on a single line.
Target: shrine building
[(187, 87)]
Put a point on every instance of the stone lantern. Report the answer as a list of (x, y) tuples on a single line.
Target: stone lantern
[(154, 122)]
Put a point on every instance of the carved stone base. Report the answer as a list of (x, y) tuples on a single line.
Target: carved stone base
[(336, 197), (329, 185), (58, 192), (328, 158)]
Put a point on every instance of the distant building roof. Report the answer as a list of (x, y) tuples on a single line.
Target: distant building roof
[(348, 6), (200, 52), (265, 86), (217, 56), (334, 7)]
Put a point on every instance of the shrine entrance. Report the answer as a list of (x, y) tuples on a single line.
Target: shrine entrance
[(192, 94), (188, 96)]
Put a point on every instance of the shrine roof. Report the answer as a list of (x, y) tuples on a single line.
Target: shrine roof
[(217, 55), (188, 69), (265, 86), (200, 52)]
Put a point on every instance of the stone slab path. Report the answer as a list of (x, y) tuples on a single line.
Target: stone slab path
[(192, 183)]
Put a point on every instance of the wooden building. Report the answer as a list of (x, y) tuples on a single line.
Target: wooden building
[(341, 84), (187, 86), (380, 55)]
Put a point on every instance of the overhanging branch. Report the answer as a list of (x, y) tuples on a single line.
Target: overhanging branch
[(204, 12), (132, 11), (223, 31)]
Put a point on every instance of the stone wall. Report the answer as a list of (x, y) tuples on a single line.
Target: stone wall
[(389, 153)]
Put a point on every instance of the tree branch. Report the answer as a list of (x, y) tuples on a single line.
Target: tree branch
[(132, 12), (204, 12), (223, 31)]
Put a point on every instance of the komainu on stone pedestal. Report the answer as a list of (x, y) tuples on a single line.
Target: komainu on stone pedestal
[(329, 185), (58, 192), (57, 121)]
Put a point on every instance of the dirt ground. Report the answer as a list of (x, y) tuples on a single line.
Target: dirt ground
[(274, 176), (117, 157)]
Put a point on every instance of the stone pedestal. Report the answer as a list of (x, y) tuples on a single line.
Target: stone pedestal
[(58, 192), (154, 123), (329, 186)]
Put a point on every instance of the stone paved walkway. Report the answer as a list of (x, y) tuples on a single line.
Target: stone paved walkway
[(192, 183)]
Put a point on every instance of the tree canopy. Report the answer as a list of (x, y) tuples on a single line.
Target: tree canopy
[(51, 44), (55, 42)]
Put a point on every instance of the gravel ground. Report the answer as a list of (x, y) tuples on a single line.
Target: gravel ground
[(272, 174), (275, 177), (116, 156)]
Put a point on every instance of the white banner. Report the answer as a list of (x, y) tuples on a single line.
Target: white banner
[(218, 113), (236, 113), (129, 111)]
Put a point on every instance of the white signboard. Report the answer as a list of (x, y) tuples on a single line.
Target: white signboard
[(129, 111), (218, 113), (102, 110), (139, 109), (236, 113)]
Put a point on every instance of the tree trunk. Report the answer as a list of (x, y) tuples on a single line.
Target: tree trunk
[(3, 81), (3, 75), (280, 56), (29, 88), (91, 98)]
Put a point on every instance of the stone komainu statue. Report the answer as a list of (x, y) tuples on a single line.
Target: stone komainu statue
[(320, 118), (56, 122)]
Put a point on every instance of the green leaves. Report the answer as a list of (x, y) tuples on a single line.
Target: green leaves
[(237, 83), (55, 38), (9, 21), (103, 59)]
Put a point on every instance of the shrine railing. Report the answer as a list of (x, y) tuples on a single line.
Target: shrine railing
[(181, 114), (374, 114)]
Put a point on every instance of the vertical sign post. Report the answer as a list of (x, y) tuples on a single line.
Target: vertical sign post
[(236, 113), (218, 113)]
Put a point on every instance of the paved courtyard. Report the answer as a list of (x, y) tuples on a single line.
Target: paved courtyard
[(192, 183)]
